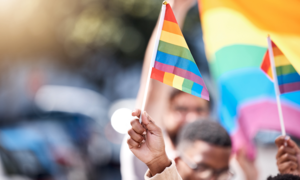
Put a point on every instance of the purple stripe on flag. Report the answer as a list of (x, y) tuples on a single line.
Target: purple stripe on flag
[(179, 72), (289, 87), (205, 93)]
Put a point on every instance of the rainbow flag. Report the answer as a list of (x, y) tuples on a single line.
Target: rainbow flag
[(287, 76), (234, 33), (174, 64)]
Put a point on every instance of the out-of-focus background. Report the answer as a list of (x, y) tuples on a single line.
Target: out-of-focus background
[(66, 67)]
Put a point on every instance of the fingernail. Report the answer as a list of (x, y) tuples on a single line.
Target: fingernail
[(143, 141), (287, 138), (139, 146), (144, 133)]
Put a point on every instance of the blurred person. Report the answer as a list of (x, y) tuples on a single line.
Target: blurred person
[(172, 108), (284, 177), (204, 150), (288, 156)]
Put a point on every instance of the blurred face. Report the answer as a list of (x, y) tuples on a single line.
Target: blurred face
[(202, 161), (184, 108)]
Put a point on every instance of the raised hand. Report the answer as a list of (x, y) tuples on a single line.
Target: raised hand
[(146, 143), (247, 165), (183, 4), (288, 156)]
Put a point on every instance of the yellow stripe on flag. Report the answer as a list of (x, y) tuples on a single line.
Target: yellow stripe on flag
[(177, 82), (281, 61), (173, 39)]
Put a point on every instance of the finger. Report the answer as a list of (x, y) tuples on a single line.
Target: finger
[(287, 157), (149, 123), (285, 167), (291, 143), (137, 127), (135, 136), (298, 157), (280, 141), (136, 112), (132, 144), (285, 150)]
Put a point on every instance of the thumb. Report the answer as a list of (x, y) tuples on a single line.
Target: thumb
[(291, 143), (148, 122)]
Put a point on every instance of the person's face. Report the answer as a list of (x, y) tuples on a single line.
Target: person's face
[(184, 108), (212, 162)]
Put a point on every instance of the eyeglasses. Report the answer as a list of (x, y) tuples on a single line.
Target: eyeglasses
[(204, 172), (184, 110)]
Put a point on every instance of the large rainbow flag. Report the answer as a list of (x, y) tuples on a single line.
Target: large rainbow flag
[(234, 33), (287, 76), (174, 64)]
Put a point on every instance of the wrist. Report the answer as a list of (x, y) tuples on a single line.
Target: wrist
[(159, 164)]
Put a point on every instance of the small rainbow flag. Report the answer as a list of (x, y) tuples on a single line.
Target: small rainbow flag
[(287, 76), (174, 64)]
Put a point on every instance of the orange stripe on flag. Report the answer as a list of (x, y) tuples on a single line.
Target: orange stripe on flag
[(266, 65), (269, 73), (168, 78), (277, 51), (171, 27)]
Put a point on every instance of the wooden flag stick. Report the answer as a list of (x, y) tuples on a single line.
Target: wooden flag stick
[(276, 87), (158, 32)]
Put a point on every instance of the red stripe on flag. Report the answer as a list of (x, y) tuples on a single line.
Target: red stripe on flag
[(157, 75), (266, 64), (169, 15)]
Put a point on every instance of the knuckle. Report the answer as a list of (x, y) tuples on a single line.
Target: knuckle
[(141, 138), (129, 131), (132, 122)]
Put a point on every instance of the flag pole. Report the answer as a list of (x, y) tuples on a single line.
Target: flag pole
[(155, 46), (276, 87)]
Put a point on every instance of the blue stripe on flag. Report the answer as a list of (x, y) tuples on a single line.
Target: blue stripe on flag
[(178, 62), (288, 78), (197, 89)]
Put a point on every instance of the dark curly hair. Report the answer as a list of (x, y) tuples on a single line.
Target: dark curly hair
[(204, 130), (284, 177)]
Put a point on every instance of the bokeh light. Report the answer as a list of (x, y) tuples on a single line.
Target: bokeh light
[(120, 120)]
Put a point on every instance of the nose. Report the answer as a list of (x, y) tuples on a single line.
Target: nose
[(191, 116)]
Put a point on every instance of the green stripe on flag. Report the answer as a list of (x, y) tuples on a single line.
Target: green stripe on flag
[(175, 50), (287, 69), (187, 86)]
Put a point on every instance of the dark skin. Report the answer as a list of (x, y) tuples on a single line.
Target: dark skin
[(206, 156), (288, 156), (149, 147), (146, 142)]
